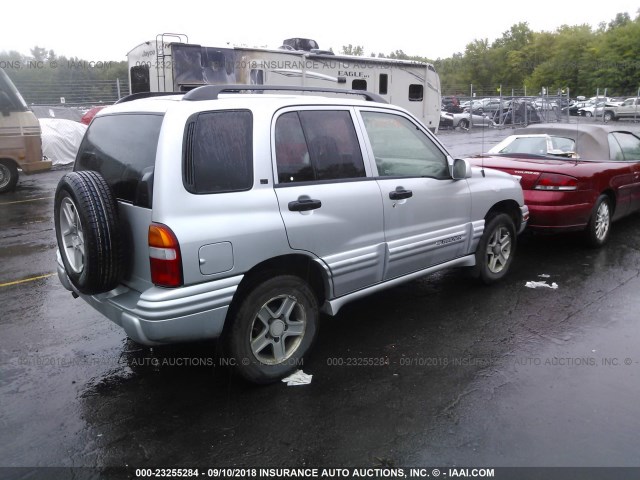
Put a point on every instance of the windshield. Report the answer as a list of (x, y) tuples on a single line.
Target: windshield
[(538, 145), (7, 86)]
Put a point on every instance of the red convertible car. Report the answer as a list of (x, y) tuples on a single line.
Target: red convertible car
[(574, 177)]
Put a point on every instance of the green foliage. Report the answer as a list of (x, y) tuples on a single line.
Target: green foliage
[(357, 50), (575, 57)]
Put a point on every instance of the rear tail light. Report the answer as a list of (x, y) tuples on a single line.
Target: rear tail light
[(556, 182), (164, 256)]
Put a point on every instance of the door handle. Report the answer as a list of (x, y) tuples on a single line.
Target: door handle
[(400, 193), (304, 204)]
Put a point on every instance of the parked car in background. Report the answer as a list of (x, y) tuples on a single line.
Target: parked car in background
[(574, 177), (630, 109), (88, 116), (470, 105), (464, 120), (451, 104), (592, 110), (545, 104), (575, 107), (517, 112), (485, 105)]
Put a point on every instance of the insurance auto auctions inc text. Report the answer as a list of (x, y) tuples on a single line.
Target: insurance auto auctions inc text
[(352, 473)]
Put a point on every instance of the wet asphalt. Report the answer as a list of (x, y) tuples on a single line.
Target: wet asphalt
[(440, 371)]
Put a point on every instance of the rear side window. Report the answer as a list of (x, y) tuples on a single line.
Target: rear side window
[(624, 146), (316, 146), (122, 148), (218, 152)]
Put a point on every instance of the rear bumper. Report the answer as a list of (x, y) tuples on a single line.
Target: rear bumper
[(558, 211), (160, 315)]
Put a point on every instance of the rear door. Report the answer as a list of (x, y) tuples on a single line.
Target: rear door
[(329, 202), (426, 212)]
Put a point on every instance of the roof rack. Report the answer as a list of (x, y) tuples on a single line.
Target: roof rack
[(211, 92), (138, 96)]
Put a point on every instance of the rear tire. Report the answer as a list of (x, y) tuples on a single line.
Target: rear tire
[(496, 249), (274, 327), (8, 176), (599, 227), (88, 232)]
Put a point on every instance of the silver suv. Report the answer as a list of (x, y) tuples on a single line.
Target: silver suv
[(243, 216)]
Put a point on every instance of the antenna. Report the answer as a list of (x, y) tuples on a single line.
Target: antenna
[(471, 129)]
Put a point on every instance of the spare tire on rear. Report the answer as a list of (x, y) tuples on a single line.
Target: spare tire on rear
[(88, 232)]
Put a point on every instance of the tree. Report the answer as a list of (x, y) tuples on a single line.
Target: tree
[(351, 50), (39, 54), (621, 20)]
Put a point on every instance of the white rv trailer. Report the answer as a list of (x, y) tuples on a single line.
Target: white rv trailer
[(172, 64)]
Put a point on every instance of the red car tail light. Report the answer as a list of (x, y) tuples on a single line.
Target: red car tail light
[(556, 182), (164, 256)]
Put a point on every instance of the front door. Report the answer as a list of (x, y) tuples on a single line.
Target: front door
[(426, 212)]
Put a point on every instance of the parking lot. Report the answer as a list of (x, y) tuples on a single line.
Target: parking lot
[(437, 372)]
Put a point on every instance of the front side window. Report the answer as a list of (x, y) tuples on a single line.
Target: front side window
[(401, 149), (541, 145), (317, 145), (218, 152)]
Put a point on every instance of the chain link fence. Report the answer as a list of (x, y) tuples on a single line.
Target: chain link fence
[(520, 109), (74, 93)]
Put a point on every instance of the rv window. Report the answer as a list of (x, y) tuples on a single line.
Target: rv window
[(257, 76), (359, 85), (382, 87), (317, 145), (218, 152), (140, 79), (415, 92)]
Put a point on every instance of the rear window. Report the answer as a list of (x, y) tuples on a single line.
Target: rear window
[(122, 148), (218, 152)]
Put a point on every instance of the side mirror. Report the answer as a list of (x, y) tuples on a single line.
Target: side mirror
[(461, 169)]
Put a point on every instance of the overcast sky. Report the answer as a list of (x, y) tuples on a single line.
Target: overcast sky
[(107, 30)]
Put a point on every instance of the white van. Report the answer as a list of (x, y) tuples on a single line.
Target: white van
[(20, 137)]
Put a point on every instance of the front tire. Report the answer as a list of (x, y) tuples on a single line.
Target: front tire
[(463, 124), (8, 176), (274, 328), (599, 227), (496, 249)]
